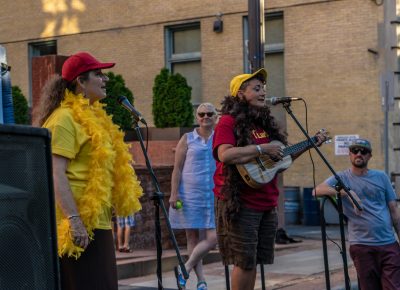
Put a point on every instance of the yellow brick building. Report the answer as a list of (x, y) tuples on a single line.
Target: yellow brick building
[(330, 53)]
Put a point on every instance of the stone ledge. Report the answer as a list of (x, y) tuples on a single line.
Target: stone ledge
[(144, 262), (129, 266)]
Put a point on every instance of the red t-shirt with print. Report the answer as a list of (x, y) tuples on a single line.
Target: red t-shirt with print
[(263, 198)]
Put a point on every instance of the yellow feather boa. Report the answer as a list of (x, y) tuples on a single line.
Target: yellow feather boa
[(125, 186)]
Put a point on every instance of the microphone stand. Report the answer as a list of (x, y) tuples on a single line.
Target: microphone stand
[(157, 197), (339, 186)]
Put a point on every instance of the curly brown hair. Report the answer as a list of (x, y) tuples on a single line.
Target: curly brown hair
[(246, 118), (52, 95)]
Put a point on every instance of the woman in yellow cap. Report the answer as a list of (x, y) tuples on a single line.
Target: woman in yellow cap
[(246, 217)]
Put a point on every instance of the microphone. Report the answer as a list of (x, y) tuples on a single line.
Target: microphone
[(276, 100), (127, 105)]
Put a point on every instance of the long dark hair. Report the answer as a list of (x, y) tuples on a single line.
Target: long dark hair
[(246, 118), (52, 95)]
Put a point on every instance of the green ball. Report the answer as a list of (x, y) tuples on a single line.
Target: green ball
[(179, 204)]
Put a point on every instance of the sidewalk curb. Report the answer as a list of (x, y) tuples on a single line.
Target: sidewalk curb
[(137, 267), (132, 267), (353, 286)]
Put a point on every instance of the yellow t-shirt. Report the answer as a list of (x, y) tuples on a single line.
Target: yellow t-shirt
[(70, 141)]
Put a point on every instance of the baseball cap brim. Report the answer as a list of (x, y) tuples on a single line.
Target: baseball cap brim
[(102, 66), (363, 143), (80, 63), (358, 146), (238, 80)]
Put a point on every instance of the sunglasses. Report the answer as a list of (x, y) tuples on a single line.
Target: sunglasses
[(363, 151), (202, 114)]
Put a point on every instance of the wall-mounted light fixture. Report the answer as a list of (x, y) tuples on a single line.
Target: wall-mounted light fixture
[(4, 68), (218, 26), (373, 51)]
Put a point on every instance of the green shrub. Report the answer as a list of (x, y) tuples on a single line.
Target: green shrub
[(172, 105), (115, 88), (21, 109)]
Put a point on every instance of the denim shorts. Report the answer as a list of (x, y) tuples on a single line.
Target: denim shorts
[(249, 238), (126, 221)]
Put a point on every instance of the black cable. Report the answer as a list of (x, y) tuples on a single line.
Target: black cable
[(314, 183), (333, 242), (341, 253), (313, 175), (147, 138), (309, 151)]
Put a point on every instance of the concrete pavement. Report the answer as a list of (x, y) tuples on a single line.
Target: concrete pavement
[(297, 266)]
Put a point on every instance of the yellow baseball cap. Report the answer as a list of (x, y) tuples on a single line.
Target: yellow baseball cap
[(238, 80)]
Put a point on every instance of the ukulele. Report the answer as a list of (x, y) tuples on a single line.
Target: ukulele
[(263, 169)]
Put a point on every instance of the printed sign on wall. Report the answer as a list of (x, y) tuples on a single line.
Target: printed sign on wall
[(342, 143)]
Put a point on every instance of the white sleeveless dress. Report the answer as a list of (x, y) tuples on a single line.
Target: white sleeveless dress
[(196, 186)]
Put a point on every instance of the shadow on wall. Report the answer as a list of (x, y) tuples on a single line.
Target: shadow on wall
[(62, 16)]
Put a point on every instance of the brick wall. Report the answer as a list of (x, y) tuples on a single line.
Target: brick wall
[(326, 57), (143, 234), (160, 152), (327, 63)]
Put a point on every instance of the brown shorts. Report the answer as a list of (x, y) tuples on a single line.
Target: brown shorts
[(248, 239)]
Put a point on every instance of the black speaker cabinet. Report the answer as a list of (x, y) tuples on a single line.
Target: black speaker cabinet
[(28, 248)]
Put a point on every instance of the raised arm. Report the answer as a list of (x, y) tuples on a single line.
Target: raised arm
[(230, 154), (321, 138), (324, 189)]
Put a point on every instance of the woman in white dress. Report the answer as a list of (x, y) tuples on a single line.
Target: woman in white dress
[(192, 183)]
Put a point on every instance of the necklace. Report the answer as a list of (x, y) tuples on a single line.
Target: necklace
[(123, 186)]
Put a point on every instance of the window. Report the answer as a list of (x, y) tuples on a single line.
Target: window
[(274, 53), (274, 57), (39, 49), (42, 48), (183, 55)]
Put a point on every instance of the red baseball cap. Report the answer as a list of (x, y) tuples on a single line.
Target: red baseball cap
[(79, 63)]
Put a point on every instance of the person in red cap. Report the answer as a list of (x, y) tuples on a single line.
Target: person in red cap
[(92, 173), (246, 216)]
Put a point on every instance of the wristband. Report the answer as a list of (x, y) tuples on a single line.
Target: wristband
[(260, 152), (73, 216)]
